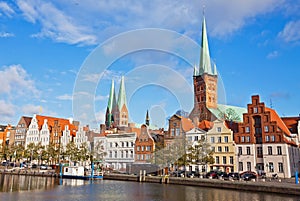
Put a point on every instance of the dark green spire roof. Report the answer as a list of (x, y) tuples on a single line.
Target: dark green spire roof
[(122, 94)]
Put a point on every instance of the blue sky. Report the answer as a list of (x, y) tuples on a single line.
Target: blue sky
[(46, 44)]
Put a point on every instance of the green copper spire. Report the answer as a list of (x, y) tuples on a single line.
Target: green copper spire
[(122, 94), (205, 65), (111, 98), (195, 70)]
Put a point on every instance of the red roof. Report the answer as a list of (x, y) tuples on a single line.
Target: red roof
[(61, 122), (279, 121), (291, 123), (205, 125), (187, 124)]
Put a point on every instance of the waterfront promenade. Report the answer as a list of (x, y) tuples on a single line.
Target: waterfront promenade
[(282, 186)]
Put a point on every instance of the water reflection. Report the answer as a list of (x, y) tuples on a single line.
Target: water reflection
[(12, 183), (70, 190)]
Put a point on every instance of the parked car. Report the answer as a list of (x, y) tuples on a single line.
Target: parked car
[(249, 176), (4, 163), (212, 174), (234, 175), (43, 167), (193, 174), (34, 166), (222, 175)]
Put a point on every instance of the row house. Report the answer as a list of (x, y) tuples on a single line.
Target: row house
[(220, 138), (82, 137), (119, 149), (265, 143), (46, 130), (144, 146), (192, 138), (21, 130), (7, 133)]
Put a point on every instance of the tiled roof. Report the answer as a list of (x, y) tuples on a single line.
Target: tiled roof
[(279, 121), (205, 125), (27, 120), (291, 123), (187, 124), (61, 122)]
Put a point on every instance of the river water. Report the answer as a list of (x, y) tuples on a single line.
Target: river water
[(14, 187)]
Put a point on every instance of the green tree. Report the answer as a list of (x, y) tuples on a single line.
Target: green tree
[(53, 153), (200, 153), (229, 115), (72, 152)]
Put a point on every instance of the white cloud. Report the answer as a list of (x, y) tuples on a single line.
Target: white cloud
[(55, 23), (65, 97), (273, 54), (291, 32), (93, 21), (100, 98), (6, 35), (6, 109), (100, 117), (6, 9), (30, 109), (15, 81)]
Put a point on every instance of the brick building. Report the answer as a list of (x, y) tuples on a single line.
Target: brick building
[(265, 143)]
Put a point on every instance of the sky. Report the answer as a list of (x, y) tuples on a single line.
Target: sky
[(59, 57)]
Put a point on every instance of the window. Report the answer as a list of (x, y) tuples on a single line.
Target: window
[(213, 149), (172, 132), (110, 154), (267, 138), (219, 139), (241, 166), (190, 138), (271, 167), (226, 149), (219, 129), (196, 138), (279, 151), (212, 139), (243, 139), (266, 129), (224, 160), (143, 148), (219, 149), (259, 152), (247, 138), (240, 151), (280, 167), (226, 139), (270, 150), (247, 129), (231, 160), (148, 148), (177, 132), (248, 166), (116, 154), (272, 138), (122, 154), (217, 160), (248, 151), (138, 148), (255, 110)]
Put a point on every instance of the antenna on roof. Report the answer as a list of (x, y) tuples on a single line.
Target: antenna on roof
[(271, 103)]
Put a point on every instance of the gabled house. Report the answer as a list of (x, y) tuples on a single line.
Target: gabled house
[(265, 143)]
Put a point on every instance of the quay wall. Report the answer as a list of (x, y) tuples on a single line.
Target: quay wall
[(256, 186)]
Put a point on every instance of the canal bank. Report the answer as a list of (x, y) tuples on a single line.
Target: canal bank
[(284, 187)]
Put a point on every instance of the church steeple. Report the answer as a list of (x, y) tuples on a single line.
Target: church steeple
[(205, 64), (147, 121), (122, 94), (122, 105), (109, 118)]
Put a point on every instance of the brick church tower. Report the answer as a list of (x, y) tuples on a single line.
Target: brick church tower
[(205, 84)]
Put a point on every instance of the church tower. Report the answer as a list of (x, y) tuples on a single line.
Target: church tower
[(205, 83), (147, 120), (122, 105), (111, 116)]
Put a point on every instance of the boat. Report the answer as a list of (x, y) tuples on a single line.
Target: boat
[(79, 172)]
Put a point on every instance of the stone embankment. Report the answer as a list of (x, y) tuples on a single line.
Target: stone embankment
[(268, 186), (35, 172)]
